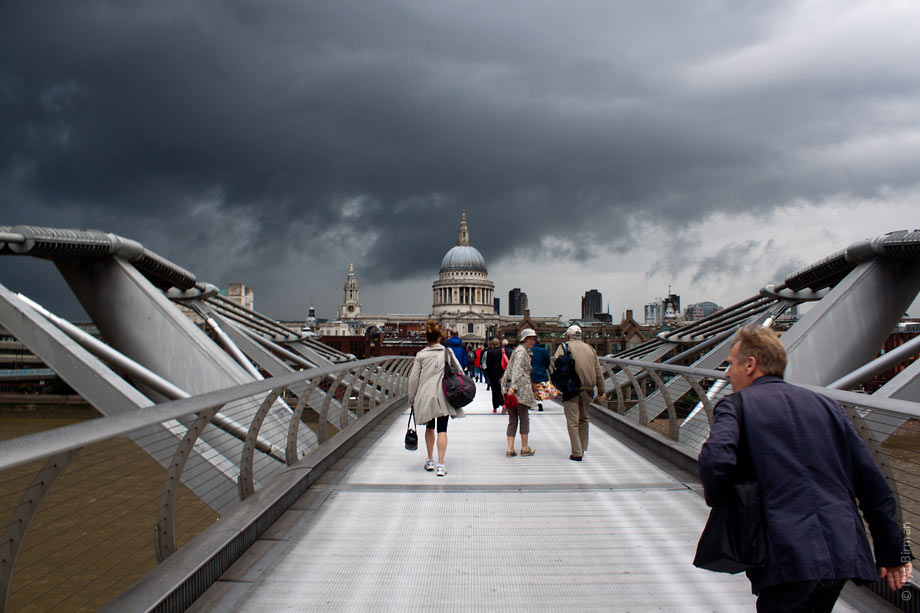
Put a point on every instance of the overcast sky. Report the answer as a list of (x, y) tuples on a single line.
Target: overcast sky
[(708, 146)]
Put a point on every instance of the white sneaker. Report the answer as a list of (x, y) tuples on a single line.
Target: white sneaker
[(429, 464), (441, 470)]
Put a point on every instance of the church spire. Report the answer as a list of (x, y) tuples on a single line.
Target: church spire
[(463, 236), (351, 305)]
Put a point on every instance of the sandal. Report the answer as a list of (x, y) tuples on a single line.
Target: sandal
[(528, 451), (510, 453)]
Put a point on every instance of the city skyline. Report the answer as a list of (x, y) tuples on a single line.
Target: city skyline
[(712, 147)]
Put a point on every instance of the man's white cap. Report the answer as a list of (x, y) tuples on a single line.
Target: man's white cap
[(573, 330), (527, 332)]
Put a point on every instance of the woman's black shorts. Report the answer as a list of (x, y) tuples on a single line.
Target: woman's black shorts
[(442, 423)]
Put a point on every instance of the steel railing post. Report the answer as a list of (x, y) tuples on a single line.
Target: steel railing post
[(246, 478)]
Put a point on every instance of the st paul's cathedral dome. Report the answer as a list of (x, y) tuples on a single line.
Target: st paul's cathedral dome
[(463, 284)]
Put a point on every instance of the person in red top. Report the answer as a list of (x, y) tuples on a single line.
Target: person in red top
[(478, 364)]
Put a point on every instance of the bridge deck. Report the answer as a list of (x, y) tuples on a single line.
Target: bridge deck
[(539, 533)]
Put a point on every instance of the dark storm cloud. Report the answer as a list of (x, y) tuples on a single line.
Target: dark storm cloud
[(237, 138)]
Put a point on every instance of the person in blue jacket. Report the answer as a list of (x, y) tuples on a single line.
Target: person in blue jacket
[(812, 467), (456, 345), (540, 363)]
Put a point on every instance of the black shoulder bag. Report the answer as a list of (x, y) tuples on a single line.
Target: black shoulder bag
[(734, 539), (411, 434)]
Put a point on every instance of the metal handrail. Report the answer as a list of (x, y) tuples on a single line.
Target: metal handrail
[(52, 442), (888, 426), (888, 406), (171, 433), (690, 370)]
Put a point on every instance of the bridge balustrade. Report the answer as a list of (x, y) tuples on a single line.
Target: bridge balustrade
[(88, 509), (891, 428)]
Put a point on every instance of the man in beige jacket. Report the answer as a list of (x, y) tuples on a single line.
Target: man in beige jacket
[(589, 372)]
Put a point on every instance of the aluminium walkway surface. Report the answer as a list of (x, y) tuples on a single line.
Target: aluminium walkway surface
[(615, 532)]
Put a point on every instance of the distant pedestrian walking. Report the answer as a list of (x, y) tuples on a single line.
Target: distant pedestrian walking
[(478, 363), (470, 362), (516, 382), (589, 372), (494, 373), (812, 467), (426, 396), (455, 344), (540, 374)]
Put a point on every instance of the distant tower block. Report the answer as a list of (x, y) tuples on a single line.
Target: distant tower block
[(591, 304), (517, 301)]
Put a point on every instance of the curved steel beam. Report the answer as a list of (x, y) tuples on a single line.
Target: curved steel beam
[(247, 479), (322, 433), (621, 404), (344, 420), (403, 369), (166, 513), (15, 533), (701, 394), (643, 418), (290, 450), (361, 407), (673, 427)]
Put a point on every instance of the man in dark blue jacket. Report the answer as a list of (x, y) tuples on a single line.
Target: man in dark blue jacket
[(539, 361), (812, 467), (456, 345)]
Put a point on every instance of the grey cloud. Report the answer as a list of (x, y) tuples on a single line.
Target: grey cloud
[(280, 133), (730, 260), (746, 260)]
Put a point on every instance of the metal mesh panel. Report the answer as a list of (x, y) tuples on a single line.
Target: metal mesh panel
[(892, 436), (92, 535), (106, 509)]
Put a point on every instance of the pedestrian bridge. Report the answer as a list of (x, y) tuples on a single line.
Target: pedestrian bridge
[(239, 463), (542, 533)]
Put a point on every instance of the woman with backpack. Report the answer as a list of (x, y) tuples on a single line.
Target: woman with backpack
[(426, 396), (517, 385)]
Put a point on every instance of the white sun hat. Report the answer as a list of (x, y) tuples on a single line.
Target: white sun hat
[(527, 332)]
